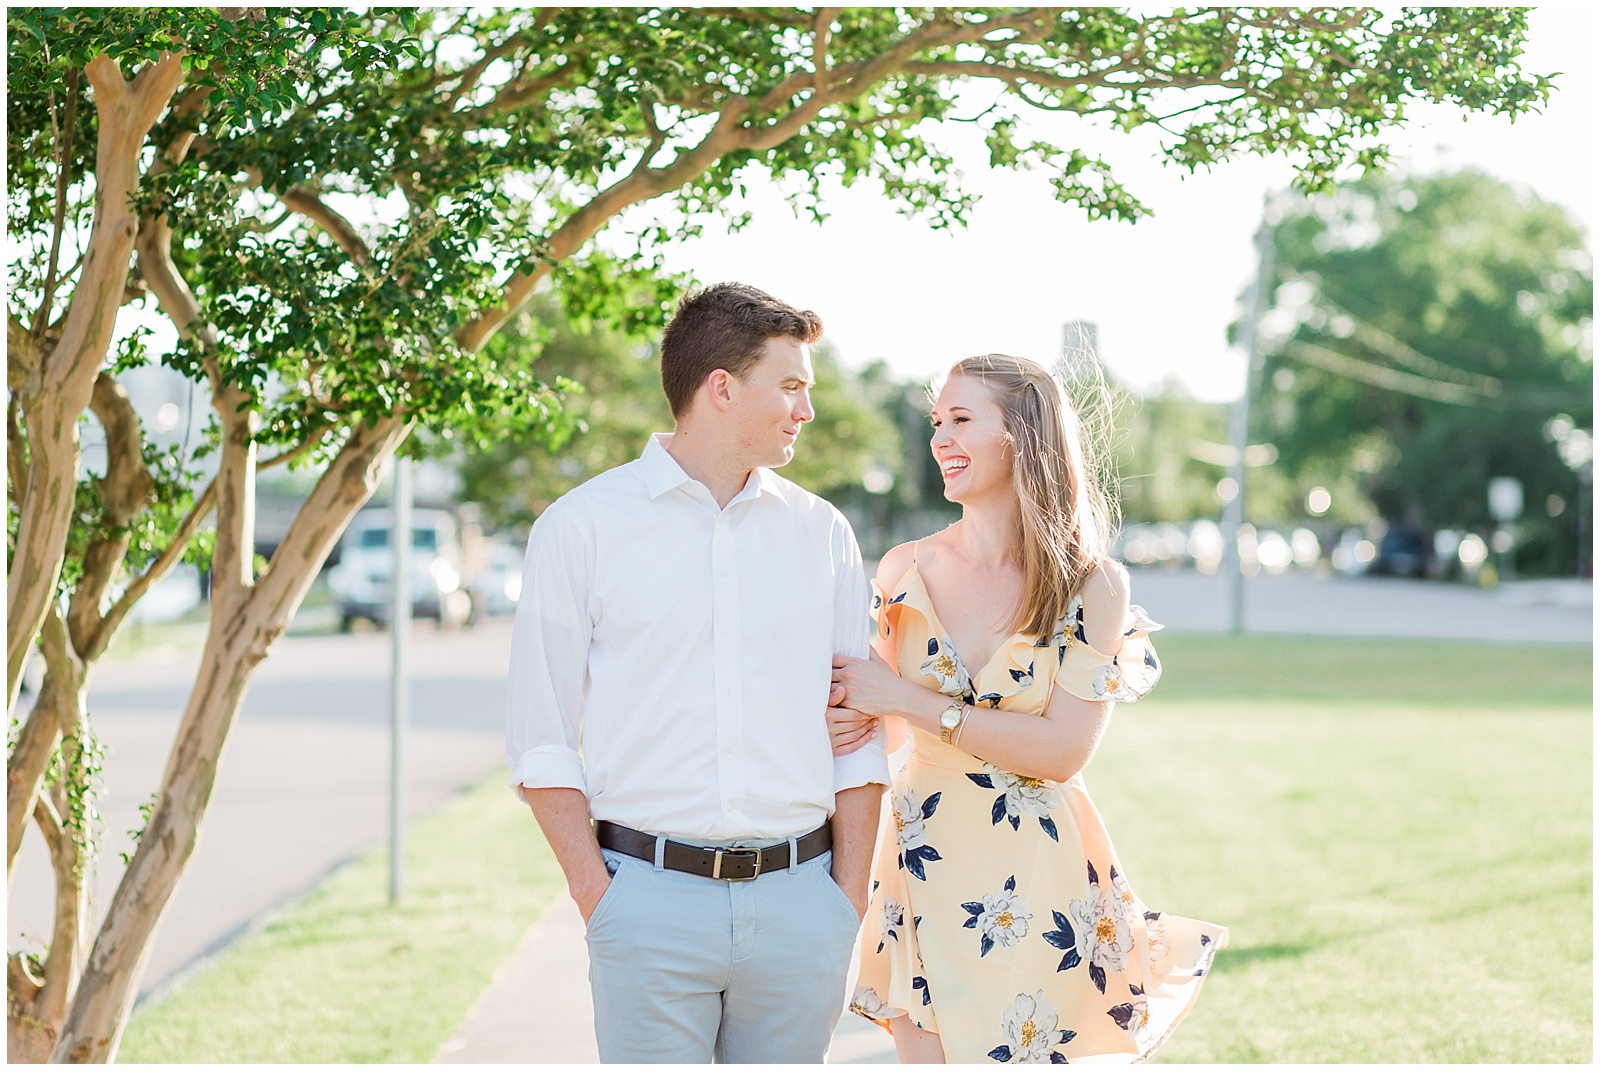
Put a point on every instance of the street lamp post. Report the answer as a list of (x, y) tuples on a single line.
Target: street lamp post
[(1239, 429), (399, 678)]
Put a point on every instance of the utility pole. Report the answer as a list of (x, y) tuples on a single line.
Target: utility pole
[(1233, 509), (399, 675), (1080, 349)]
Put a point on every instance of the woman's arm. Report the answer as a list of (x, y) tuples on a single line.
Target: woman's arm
[(1056, 745), (848, 729)]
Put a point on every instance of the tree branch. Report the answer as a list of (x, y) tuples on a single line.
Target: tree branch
[(821, 39), (66, 939), (16, 464), (471, 76), (516, 94), (61, 389), (233, 563), (308, 204), (124, 491), (55, 711), (1014, 76), (340, 491), (169, 286), (294, 452), (154, 572), (63, 180), (22, 358), (639, 185), (645, 182)]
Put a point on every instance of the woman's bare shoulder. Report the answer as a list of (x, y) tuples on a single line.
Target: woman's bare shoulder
[(895, 564), (1106, 582), (1105, 605)]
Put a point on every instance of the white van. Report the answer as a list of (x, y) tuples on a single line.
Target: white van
[(361, 579)]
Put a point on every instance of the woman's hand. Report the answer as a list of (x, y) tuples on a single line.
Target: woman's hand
[(849, 729), (869, 686)]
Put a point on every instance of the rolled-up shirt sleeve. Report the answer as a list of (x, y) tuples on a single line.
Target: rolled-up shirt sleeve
[(852, 635), (549, 655)]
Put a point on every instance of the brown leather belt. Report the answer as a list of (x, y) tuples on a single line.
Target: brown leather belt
[(725, 864)]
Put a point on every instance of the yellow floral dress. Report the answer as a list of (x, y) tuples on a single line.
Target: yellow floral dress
[(1000, 917)]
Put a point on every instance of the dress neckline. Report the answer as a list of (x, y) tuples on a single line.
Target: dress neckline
[(938, 626)]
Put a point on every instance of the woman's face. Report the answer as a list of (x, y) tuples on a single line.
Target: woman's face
[(970, 441)]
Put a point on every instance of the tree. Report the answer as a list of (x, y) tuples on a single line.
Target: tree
[(1431, 334), (1160, 477), (338, 210), (618, 402)]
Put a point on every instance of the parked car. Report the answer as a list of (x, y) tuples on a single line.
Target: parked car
[(1401, 552), (497, 585), (361, 580)]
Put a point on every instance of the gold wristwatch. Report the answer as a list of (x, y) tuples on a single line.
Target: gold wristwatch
[(950, 720)]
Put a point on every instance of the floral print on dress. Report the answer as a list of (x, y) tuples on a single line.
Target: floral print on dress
[(1155, 932), (1000, 919), (945, 666), (909, 815), (894, 916), (1104, 937), (1030, 1034), (1019, 796), (1063, 937), (1093, 977), (1134, 1016), (1068, 630), (1208, 952), (865, 1001)]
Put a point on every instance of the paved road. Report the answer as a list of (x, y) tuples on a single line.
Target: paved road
[(1535, 611), (303, 783)]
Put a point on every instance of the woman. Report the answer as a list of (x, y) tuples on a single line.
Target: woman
[(1001, 925)]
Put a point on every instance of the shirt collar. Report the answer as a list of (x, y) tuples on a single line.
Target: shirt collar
[(662, 473)]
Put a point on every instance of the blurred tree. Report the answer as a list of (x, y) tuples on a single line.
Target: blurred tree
[(338, 208), (615, 402), (618, 402), (1429, 333), (1160, 477)]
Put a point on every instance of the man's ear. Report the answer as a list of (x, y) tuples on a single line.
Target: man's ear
[(719, 387)]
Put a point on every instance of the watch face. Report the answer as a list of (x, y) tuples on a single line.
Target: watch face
[(950, 717)]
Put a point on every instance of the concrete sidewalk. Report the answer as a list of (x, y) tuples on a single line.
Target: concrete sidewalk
[(537, 1010)]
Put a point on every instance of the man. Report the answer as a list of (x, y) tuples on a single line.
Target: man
[(679, 615)]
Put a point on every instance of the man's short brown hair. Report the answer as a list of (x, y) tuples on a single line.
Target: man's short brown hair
[(724, 326)]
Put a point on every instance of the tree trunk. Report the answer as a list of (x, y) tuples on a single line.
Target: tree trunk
[(37, 1000), (62, 382), (246, 619)]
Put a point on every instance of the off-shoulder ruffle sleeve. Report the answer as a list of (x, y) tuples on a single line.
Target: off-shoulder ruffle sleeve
[(1088, 674)]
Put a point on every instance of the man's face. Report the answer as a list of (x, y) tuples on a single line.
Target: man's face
[(771, 402)]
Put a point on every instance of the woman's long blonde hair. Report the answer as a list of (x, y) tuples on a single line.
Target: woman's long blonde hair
[(1064, 513)]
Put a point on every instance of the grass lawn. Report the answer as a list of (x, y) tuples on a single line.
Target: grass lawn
[(1398, 835), (344, 978)]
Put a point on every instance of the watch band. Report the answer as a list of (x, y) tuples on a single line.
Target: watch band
[(966, 709), (947, 732)]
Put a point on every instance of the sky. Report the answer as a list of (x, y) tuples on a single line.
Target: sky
[(1161, 291)]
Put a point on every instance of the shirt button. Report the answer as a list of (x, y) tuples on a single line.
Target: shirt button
[(727, 631)]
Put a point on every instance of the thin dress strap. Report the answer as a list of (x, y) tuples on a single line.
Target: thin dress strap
[(914, 547)]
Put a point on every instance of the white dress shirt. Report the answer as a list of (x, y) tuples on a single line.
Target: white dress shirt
[(690, 648)]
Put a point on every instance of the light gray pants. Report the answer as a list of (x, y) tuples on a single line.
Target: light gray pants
[(688, 969)]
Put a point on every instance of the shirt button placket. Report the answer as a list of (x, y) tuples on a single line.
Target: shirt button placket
[(729, 664)]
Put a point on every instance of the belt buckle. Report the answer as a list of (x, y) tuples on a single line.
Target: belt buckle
[(716, 862)]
